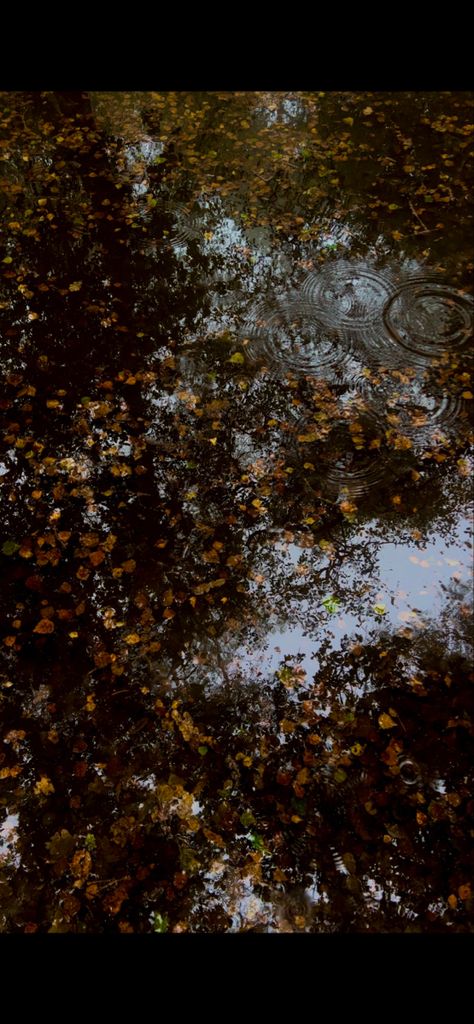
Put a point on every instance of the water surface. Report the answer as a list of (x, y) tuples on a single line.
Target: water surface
[(236, 493)]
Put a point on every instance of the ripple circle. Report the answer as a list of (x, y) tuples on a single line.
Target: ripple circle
[(292, 336), (427, 318), (348, 295)]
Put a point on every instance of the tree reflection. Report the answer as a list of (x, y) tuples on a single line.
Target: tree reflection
[(167, 519)]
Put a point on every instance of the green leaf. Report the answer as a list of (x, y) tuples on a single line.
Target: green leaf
[(90, 843), (237, 358), (247, 819), (379, 609), (331, 604), (160, 922), (285, 674), (203, 750), (9, 547), (257, 842)]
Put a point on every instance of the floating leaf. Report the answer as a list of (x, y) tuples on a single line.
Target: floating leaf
[(331, 604), (9, 547), (80, 867), (160, 922), (379, 609), (60, 845), (386, 721), (44, 786), (44, 626)]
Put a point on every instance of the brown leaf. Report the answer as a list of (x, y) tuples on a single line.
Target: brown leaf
[(130, 565), (80, 867)]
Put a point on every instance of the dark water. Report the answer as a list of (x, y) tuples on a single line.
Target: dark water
[(236, 489)]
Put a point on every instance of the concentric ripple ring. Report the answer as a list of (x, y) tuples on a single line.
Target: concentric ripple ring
[(427, 318), (348, 295), (292, 336)]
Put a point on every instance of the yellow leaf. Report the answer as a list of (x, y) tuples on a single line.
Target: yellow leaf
[(385, 721), (213, 440), (7, 259), (132, 638), (75, 286), (348, 120), (367, 111), (44, 786)]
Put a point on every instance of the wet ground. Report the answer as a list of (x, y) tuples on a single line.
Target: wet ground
[(236, 496)]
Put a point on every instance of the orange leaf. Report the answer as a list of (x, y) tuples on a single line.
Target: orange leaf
[(44, 626), (130, 565), (96, 557)]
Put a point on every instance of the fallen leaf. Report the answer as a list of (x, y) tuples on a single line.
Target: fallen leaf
[(132, 638), (44, 786), (44, 626), (80, 867), (385, 721)]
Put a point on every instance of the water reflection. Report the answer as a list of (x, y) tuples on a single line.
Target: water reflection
[(235, 679)]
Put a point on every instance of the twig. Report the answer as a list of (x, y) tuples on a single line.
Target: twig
[(412, 208)]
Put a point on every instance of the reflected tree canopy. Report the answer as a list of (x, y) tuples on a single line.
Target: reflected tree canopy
[(235, 481)]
